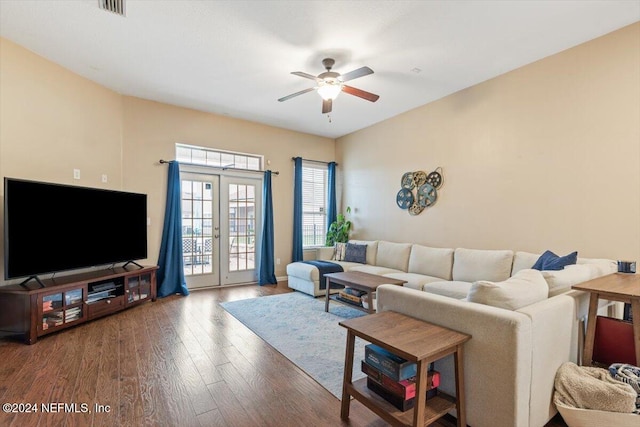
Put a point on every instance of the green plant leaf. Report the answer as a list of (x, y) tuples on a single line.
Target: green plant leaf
[(339, 230)]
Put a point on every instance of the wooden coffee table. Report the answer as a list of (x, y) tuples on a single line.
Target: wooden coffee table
[(358, 280), (413, 340)]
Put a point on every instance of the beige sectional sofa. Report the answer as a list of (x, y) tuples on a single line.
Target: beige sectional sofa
[(517, 343)]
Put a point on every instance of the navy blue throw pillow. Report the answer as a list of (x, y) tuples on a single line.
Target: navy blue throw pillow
[(546, 256), (356, 253), (550, 261)]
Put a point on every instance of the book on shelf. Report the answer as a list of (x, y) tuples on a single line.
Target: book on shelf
[(97, 296), (104, 286), (53, 315), (388, 363), (404, 388), (348, 301), (355, 292), (72, 311), (395, 400), (46, 324), (73, 297), (51, 321), (51, 302), (349, 297)]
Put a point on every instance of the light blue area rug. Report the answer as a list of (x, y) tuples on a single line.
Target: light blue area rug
[(297, 326)]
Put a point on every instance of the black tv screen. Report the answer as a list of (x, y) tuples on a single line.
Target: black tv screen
[(53, 227)]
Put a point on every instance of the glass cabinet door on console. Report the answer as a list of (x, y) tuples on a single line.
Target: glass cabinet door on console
[(57, 309), (138, 288), (145, 286)]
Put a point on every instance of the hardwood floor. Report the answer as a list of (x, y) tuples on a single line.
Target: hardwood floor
[(175, 362)]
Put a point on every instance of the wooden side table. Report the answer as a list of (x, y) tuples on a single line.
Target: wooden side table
[(614, 287), (413, 340)]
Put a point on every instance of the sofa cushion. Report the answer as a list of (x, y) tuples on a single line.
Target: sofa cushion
[(604, 266), (523, 260), (437, 262), (452, 289), (303, 271), (310, 272), (340, 250), (346, 265), (356, 253), (393, 255), (524, 288), (470, 265), (373, 269), (561, 281), (325, 253), (550, 261), (372, 249), (414, 281)]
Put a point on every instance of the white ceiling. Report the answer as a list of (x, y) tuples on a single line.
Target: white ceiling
[(235, 57)]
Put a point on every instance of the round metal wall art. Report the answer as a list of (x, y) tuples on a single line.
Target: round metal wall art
[(404, 199), (419, 190), (407, 181)]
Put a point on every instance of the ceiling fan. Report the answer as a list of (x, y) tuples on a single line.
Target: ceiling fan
[(330, 84)]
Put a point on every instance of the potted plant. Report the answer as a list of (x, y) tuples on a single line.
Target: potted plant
[(339, 230)]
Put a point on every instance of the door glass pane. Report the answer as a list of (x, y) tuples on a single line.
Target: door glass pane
[(197, 231), (241, 227)]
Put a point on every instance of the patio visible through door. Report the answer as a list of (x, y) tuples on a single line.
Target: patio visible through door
[(241, 201), (220, 229), (200, 229)]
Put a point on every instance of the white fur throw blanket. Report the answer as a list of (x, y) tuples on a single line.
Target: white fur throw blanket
[(592, 388)]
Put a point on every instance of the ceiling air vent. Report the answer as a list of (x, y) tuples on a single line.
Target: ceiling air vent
[(115, 6)]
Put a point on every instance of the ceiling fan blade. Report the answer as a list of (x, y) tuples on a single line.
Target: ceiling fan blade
[(305, 75), (360, 93), (296, 94), (360, 72), (326, 106)]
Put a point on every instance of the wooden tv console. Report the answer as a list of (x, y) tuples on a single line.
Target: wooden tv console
[(32, 310)]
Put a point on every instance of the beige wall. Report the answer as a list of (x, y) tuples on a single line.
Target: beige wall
[(53, 121), (151, 130), (544, 157)]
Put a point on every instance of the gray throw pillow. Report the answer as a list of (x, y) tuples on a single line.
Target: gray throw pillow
[(356, 253)]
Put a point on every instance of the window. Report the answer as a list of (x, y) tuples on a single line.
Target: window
[(217, 158), (314, 204)]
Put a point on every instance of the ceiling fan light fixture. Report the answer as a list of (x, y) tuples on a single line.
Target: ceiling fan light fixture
[(329, 85), (329, 89)]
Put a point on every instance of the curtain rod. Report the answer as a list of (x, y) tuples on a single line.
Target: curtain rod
[(314, 161), (162, 162)]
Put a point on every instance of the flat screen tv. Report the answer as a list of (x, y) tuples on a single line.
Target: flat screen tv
[(53, 227)]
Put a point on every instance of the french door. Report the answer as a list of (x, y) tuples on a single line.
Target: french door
[(200, 229), (220, 228), (241, 204)]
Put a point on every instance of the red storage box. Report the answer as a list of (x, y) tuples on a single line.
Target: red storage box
[(613, 342)]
